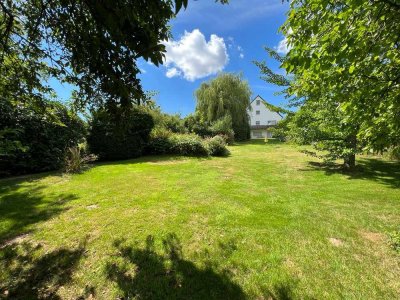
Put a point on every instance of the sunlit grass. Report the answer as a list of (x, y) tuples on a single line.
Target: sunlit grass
[(265, 222)]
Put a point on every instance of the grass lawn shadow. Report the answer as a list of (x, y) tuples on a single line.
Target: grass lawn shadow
[(35, 276), (385, 172), (281, 292), (145, 274), (22, 205)]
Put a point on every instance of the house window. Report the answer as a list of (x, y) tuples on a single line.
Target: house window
[(257, 122), (257, 112), (271, 122), (258, 102)]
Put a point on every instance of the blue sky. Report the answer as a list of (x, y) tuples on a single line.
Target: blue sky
[(207, 38)]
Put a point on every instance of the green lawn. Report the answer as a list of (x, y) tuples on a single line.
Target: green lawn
[(266, 222)]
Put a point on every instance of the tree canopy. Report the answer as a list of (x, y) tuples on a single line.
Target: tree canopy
[(344, 63), (91, 44), (227, 94)]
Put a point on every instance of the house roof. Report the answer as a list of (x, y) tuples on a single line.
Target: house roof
[(258, 96)]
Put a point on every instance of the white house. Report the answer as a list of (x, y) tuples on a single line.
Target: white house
[(262, 119)]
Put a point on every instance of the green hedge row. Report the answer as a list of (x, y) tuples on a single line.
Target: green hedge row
[(121, 134), (36, 138)]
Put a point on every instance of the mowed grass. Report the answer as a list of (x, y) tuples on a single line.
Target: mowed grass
[(266, 222)]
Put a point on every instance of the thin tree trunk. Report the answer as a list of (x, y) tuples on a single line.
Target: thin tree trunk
[(350, 160)]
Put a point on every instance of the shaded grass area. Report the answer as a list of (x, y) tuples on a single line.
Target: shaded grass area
[(266, 222), (167, 276), (381, 171), (25, 203), (38, 277)]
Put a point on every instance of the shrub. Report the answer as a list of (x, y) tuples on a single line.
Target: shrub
[(163, 141), (173, 123), (159, 142), (223, 126), (188, 144), (36, 138), (119, 133), (76, 159), (217, 146), (194, 124)]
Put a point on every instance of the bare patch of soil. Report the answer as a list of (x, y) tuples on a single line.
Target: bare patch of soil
[(93, 206), (336, 242), (374, 237)]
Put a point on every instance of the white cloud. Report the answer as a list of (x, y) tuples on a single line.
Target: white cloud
[(172, 72), (234, 47), (283, 47), (193, 57), (241, 51), (231, 42)]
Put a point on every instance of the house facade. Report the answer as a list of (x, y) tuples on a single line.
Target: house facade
[(262, 119)]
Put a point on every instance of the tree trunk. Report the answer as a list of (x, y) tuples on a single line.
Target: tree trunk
[(350, 160)]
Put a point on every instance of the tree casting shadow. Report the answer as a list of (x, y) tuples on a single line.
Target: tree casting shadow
[(280, 292), (144, 274), (31, 276), (21, 207), (386, 172)]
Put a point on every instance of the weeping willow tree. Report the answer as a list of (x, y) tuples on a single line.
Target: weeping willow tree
[(226, 95)]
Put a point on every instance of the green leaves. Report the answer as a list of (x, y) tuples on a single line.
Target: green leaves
[(351, 69), (227, 94), (179, 3), (344, 68), (91, 44), (354, 50)]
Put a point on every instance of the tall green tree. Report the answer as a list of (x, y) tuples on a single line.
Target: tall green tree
[(227, 94), (321, 123), (346, 55), (349, 52)]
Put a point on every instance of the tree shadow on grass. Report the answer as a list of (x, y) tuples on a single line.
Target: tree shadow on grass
[(144, 274), (286, 291), (279, 292), (381, 171), (22, 206), (31, 275)]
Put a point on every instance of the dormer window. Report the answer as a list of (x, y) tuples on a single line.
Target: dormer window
[(257, 112), (258, 102)]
